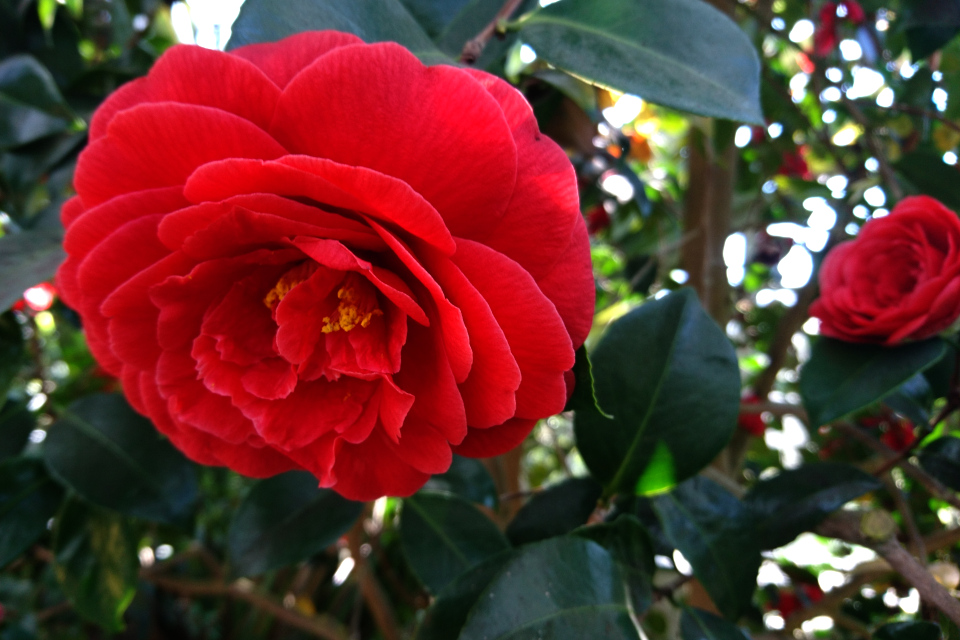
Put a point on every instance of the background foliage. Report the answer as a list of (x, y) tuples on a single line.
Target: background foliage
[(733, 474)]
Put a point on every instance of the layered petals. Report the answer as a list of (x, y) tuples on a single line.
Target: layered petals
[(898, 280), (317, 254)]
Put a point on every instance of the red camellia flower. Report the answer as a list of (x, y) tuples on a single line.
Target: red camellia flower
[(898, 280), (320, 254)]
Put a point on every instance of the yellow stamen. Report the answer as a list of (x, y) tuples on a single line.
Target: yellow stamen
[(348, 316)]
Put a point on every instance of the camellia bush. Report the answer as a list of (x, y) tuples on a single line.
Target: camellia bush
[(480, 319)]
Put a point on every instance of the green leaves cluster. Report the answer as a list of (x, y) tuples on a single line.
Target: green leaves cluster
[(626, 45)]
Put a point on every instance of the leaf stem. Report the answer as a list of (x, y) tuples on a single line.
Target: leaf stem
[(473, 48)]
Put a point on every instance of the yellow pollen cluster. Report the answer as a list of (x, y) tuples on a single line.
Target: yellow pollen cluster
[(348, 316), (284, 285)]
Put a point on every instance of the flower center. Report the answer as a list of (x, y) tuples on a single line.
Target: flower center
[(354, 310), (286, 283)]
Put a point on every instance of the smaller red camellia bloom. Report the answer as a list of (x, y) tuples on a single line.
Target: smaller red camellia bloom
[(899, 435), (597, 219), (794, 165), (321, 254), (752, 423), (898, 280)]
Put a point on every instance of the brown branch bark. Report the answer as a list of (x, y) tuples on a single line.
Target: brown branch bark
[(933, 486), (855, 527), (321, 626), (473, 48), (373, 594)]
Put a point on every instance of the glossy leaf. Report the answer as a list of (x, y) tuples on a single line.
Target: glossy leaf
[(286, 519), (632, 550), (555, 511), (26, 259), (841, 377), (584, 396), (31, 106), (370, 20), (467, 478), (113, 457), (634, 47), (28, 499), (908, 630), (11, 352), (912, 399), (714, 532), (564, 588), (443, 535), (941, 459), (797, 500), (930, 25), (16, 423), (435, 15), (448, 613), (930, 175), (697, 624), (95, 561), (645, 368)]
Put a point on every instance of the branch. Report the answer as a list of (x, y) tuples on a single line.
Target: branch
[(933, 486), (370, 587), (472, 50), (875, 530), (321, 626)]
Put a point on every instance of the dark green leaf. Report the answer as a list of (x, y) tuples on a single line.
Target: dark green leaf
[(629, 544), (634, 47), (799, 499), (555, 511), (443, 535), (645, 369), (912, 400), (286, 519), (435, 15), (941, 459), (95, 560), (467, 478), (28, 499), (908, 630), (11, 352), (31, 106), (584, 396), (930, 24), (16, 423), (714, 532), (940, 374), (563, 588), (27, 259), (930, 175), (448, 613), (697, 624), (370, 20), (114, 457), (841, 377)]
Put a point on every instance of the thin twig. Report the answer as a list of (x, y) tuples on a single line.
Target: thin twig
[(906, 513), (473, 48), (933, 486), (849, 526), (373, 594), (321, 626)]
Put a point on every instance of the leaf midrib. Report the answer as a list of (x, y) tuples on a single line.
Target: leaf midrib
[(618, 478)]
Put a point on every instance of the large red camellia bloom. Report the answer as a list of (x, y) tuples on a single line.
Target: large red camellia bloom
[(898, 280), (320, 254)]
